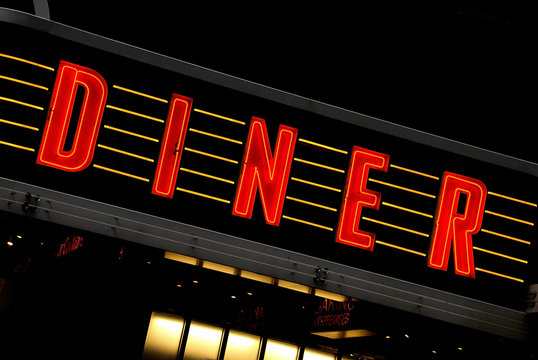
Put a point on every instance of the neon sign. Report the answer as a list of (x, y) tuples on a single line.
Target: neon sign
[(262, 170), (176, 146)]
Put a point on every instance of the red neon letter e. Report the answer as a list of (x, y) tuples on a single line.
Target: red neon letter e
[(52, 151), (172, 146), (261, 169), (357, 196), (453, 228)]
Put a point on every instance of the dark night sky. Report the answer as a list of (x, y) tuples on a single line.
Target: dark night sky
[(460, 69)]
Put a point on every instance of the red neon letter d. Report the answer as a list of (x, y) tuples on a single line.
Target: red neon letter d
[(455, 228), (52, 151)]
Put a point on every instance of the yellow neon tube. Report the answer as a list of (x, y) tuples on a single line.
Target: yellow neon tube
[(323, 146), (21, 103), (125, 153), (512, 199), (396, 227), (501, 255), (207, 175), (139, 93), (509, 218), (319, 165), (203, 195), (211, 155), (216, 136), (134, 113), (414, 171), (19, 125), (498, 274), (407, 209), (307, 223), (219, 116), (24, 82), (311, 203), (130, 133), (403, 188), (315, 184), (17, 146), (505, 236), (26, 61), (400, 248), (120, 173)]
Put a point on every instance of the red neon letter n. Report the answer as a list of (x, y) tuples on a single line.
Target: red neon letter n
[(357, 196), (261, 170), (453, 228), (52, 151)]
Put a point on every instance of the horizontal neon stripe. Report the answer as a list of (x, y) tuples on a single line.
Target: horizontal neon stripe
[(307, 223), (219, 116)]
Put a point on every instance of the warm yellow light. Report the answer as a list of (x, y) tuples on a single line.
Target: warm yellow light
[(220, 268), (505, 236), (219, 116), (294, 286), (499, 275), (256, 277), (180, 258), (330, 295), (311, 203), (400, 248), (203, 195), (21, 103), (395, 226), (23, 82), (319, 165), (134, 113), (501, 255), (163, 337), (120, 173), (346, 334), (316, 184), (125, 153), (16, 146), (139, 93), (311, 354), (509, 218), (19, 125), (407, 209), (512, 199), (206, 175), (199, 152), (242, 346), (203, 342), (414, 171), (26, 61), (322, 146), (402, 188), (278, 350), (130, 133), (307, 223), (216, 136)]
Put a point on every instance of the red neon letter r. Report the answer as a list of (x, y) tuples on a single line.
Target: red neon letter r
[(261, 169), (357, 196), (52, 151), (453, 228)]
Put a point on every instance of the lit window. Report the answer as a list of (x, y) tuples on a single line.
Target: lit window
[(241, 346), (277, 350), (164, 336), (310, 354), (203, 342)]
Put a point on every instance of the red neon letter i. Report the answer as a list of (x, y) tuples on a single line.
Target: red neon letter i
[(172, 146)]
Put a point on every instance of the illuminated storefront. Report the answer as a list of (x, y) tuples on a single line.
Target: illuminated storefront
[(324, 234)]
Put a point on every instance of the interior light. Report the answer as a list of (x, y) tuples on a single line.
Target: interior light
[(9, 243), (204, 342), (277, 350), (406, 336), (163, 337), (19, 236), (310, 354), (242, 346)]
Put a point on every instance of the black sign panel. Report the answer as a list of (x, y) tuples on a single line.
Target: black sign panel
[(400, 202)]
